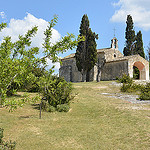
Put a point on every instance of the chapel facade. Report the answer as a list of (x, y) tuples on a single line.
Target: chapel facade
[(111, 63)]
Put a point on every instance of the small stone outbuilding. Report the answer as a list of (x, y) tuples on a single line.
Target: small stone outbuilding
[(111, 64)]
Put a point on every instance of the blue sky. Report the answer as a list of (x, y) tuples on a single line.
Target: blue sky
[(104, 16)]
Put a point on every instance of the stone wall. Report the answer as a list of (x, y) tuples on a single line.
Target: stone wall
[(112, 54), (115, 66), (70, 72), (114, 69), (66, 72)]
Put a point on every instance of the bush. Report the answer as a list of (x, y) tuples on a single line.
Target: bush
[(6, 145), (145, 92), (129, 85), (127, 82), (57, 91), (125, 87), (12, 88), (1, 134), (136, 72), (47, 107), (30, 83), (125, 79), (51, 108), (63, 108)]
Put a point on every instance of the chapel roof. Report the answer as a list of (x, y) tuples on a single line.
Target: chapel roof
[(69, 56), (98, 51), (124, 58)]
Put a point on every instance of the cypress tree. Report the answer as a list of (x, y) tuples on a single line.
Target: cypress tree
[(130, 37), (138, 50), (86, 53), (139, 45)]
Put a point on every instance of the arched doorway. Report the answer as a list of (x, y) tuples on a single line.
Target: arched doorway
[(141, 67)]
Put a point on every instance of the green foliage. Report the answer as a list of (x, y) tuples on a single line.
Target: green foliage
[(145, 92), (47, 107), (19, 59), (30, 83), (136, 72), (1, 134), (2, 26), (63, 108), (6, 145), (13, 103), (149, 67), (55, 90), (86, 53), (127, 83), (130, 37), (51, 108), (15, 62), (139, 45), (129, 86), (134, 44), (125, 79), (125, 87)]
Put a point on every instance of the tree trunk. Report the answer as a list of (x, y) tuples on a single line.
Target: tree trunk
[(100, 66), (84, 76), (97, 78), (88, 76)]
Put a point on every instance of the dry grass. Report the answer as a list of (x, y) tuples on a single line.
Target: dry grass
[(94, 122)]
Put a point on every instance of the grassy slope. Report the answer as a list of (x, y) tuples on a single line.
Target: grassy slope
[(94, 122)]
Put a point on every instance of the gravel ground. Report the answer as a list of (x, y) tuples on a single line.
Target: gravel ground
[(129, 98)]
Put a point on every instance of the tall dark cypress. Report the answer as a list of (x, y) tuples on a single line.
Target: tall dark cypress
[(130, 37), (139, 45), (86, 53)]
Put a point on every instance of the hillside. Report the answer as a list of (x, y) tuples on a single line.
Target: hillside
[(95, 121)]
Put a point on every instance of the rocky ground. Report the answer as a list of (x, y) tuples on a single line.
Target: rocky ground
[(128, 97)]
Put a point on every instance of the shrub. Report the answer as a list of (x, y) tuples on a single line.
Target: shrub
[(51, 108), (125, 79), (129, 86), (57, 91), (6, 145), (136, 72), (30, 83), (1, 134), (12, 88), (127, 82), (125, 87), (145, 92), (63, 108)]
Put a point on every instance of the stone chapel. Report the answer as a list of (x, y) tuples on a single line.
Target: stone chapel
[(111, 64)]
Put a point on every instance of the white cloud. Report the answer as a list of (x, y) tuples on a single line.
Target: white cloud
[(20, 27), (138, 9), (2, 14), (50, 64)]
